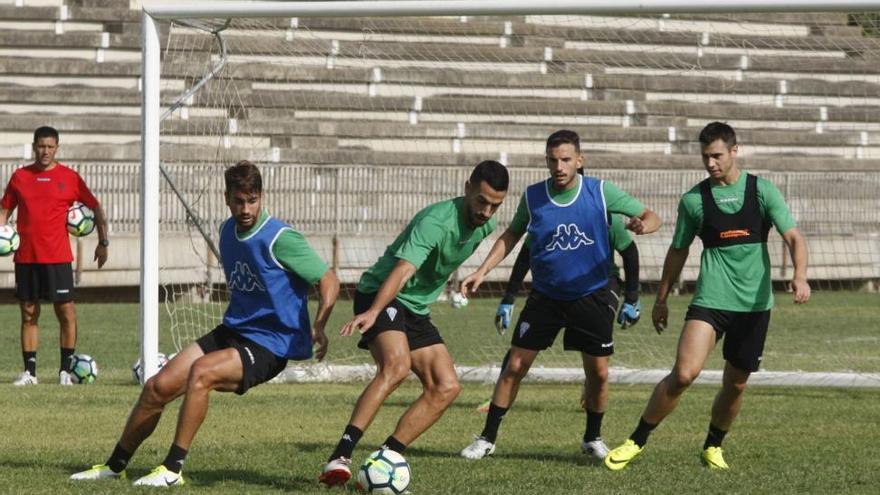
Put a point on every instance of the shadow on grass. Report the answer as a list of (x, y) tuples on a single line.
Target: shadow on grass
[(567, 454), (211, 477)]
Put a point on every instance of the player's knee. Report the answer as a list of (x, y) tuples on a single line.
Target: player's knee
[(446, 391), (30, 317), (682, 378), (598, 376), (734, 387), (201, 377), (516, 370), (394, 372), (157, 391)]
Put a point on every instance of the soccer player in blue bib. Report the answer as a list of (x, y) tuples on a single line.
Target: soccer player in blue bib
[(566, 217), (269, 268)]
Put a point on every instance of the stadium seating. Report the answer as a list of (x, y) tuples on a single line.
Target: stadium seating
[(76, 64)]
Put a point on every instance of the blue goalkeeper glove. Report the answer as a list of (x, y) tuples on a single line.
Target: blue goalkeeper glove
[(503, 317), (629, 314)]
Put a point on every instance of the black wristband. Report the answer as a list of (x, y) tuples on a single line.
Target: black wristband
[(631, 297), (508, 298)]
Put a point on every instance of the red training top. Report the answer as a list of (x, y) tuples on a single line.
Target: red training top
[(42, 198)]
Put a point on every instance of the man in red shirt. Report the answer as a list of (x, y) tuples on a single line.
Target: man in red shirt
[(42, 192)]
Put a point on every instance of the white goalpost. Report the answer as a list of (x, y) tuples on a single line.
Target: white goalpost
[(362, 112)]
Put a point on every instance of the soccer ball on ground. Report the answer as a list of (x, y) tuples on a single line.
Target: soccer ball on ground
[(80, 220), (384, 471), (137, 369), (458, 301), (83, 369), (9, 240)]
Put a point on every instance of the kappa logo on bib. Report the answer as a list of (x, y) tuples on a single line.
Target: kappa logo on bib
[(243, 279), (568, 237)]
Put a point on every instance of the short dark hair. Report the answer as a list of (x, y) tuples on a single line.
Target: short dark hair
[(563, 136), (244, 176), (45, 132), (492, 173), (715, 131)]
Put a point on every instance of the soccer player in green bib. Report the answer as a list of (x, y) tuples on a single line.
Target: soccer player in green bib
[(732, 212), (391, 312), (567, 219)]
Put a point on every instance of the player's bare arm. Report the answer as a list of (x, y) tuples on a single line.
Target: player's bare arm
[(672, 266), (4, 215), (398, 277), (797, 247), (101, 226), (499, 251), (646, 223), (328, 292)]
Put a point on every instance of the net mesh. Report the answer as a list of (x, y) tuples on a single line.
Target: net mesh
[(357, 123)]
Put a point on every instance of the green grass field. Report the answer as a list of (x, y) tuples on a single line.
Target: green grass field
[(274, 439)]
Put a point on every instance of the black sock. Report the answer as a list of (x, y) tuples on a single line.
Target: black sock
[(714, 437), (30, 362), (493, 421), (594, 425), (640, 436), (174, 460), (345, 448), (118, 459), (66, 352), (394, 444)]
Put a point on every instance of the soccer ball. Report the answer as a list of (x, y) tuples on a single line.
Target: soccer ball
[(83, 369), (384, 471), (137, 369), (80, 220), (9, 240), (458, 301)]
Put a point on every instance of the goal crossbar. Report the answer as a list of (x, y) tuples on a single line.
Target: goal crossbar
[(386, 8)]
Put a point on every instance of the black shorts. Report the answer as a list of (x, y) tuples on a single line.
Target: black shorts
[(419, 329), (259, 364), (588, 322), (51, 282), (746, 333)]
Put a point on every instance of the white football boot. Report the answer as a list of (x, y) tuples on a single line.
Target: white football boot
[(596, 449), (161, 476), (25, 379), (64, 378), (478, 449)]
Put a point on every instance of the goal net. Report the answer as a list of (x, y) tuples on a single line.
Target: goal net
[(359, 122)]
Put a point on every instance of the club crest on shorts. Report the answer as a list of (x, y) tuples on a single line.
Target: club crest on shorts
[(523, 328), (391, 312)]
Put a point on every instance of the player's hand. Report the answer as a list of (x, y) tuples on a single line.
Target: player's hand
[(636, 225), (660, 316), (319, 340), (361, 323), (502, 317), (101, 255), (629, 314), (471, 283), (801, 290)]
